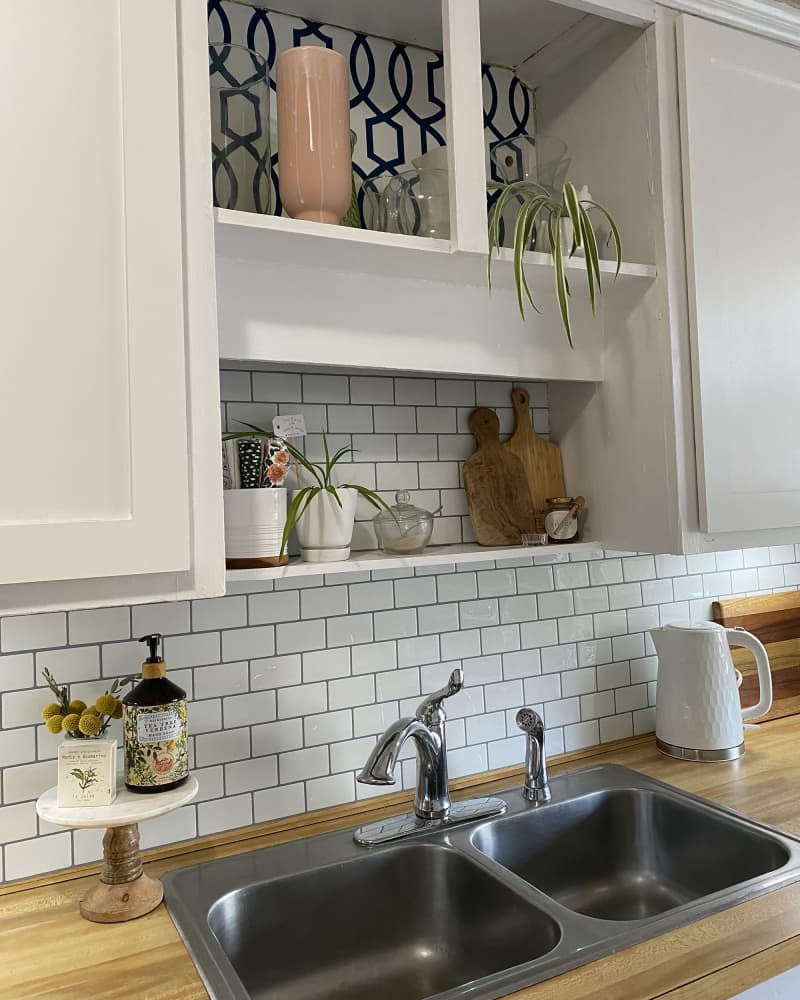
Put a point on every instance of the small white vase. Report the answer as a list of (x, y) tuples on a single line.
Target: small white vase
[(325, 529)]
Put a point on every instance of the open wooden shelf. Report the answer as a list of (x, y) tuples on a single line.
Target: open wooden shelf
[(435, 555)]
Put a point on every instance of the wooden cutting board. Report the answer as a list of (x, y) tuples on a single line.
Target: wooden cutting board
[(541, 460), (775, 620), (496, 486)]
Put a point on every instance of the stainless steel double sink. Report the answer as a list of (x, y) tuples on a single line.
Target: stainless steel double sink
[(476, 911)]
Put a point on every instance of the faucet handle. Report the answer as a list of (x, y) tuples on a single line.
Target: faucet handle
[(430, 709)]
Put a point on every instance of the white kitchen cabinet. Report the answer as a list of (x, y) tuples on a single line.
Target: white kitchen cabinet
[(109, 392), (740, 111)]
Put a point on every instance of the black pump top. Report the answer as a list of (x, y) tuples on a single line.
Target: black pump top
[(153, 642)]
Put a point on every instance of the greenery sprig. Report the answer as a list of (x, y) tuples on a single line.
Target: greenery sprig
[(538, 201)]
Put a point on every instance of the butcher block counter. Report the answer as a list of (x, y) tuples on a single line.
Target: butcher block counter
[(48, 951)]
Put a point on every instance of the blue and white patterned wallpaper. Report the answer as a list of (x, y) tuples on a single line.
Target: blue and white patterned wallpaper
[(397, 105)]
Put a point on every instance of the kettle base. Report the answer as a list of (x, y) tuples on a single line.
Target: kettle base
[(709, 756)]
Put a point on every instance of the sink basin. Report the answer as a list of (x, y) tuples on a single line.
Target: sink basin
[(629, 853), (382, 926), (475, 911)]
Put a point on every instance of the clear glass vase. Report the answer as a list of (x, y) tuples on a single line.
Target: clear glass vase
[(240, 143)]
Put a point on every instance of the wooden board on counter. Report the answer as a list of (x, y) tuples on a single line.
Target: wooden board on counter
[(775, 620)]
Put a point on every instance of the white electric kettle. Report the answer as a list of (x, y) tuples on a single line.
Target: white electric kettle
[(698, 715)]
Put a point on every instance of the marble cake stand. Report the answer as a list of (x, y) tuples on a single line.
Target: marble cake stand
[(124, 891)]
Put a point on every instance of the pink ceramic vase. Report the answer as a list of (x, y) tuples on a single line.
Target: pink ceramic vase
[(314, 159)]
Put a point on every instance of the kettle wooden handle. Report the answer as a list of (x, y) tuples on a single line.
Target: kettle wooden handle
[(740, 637)]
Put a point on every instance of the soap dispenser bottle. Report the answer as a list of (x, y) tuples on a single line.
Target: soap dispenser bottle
[(154, 728)]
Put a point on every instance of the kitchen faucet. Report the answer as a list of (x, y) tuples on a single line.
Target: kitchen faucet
[(432, 804)]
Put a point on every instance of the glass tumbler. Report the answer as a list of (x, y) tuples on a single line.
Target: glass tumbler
[(240, 146)]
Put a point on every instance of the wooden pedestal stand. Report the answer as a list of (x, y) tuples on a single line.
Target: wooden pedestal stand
[(124, 891)]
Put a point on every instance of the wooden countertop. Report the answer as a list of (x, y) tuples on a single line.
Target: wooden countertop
[(48, 950)]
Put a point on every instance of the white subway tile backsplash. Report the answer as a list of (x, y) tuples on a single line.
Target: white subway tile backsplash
[(195, 650), (224, 814), (275, 803), (16, 672), (305, 699), (170, 618), (219, 748), (436, 618), (249, 709), (298, 765), (378, 656), (415, 591), (331, 791), (577, 737), (28, 781), (296, 637), (328, 727), (32, 857), (273, 737), (211, 682), (70, 665), (279, 606), (350, 630), (371, 389), (275, 671), (275, 387), (249, 775), (99, 625), (219, 612), (20, 632), (352, 691)]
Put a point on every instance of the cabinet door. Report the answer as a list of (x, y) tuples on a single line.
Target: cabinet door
[(108, 407), (740, 123)]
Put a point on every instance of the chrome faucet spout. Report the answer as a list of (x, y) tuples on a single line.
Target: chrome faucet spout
[(381, 763)]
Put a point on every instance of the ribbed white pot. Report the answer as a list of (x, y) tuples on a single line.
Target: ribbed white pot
[(325, 529), (254, 521)]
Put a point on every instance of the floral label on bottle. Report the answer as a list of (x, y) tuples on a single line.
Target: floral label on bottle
[(156, 746), (87, 773)]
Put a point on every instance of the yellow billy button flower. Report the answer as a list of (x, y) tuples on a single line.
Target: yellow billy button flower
[(54, 723), (90, 711), (71, 722), (50, 710), (106, 704), (117, 713), (89, 724), (77, 706)]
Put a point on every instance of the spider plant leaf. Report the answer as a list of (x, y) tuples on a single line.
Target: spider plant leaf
[(301, 500), (562, 286), (334, 494), (592, 261), (314, 470), (614, 233), (574, 213), (373, 498), (519, 249), (339, 455)]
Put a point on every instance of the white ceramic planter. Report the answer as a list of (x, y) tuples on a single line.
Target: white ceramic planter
[(254, 522), (325, 529)]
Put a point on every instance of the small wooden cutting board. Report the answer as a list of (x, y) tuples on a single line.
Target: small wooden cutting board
[(541, 460), (775, 620), (496, 487)]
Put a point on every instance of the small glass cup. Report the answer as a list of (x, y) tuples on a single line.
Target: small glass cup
[(241, 164)]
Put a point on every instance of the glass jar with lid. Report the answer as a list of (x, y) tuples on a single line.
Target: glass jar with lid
[(404, 529), (562, 522)]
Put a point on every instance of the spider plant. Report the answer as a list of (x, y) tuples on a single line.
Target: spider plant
[(537, 202), (320, 473)]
